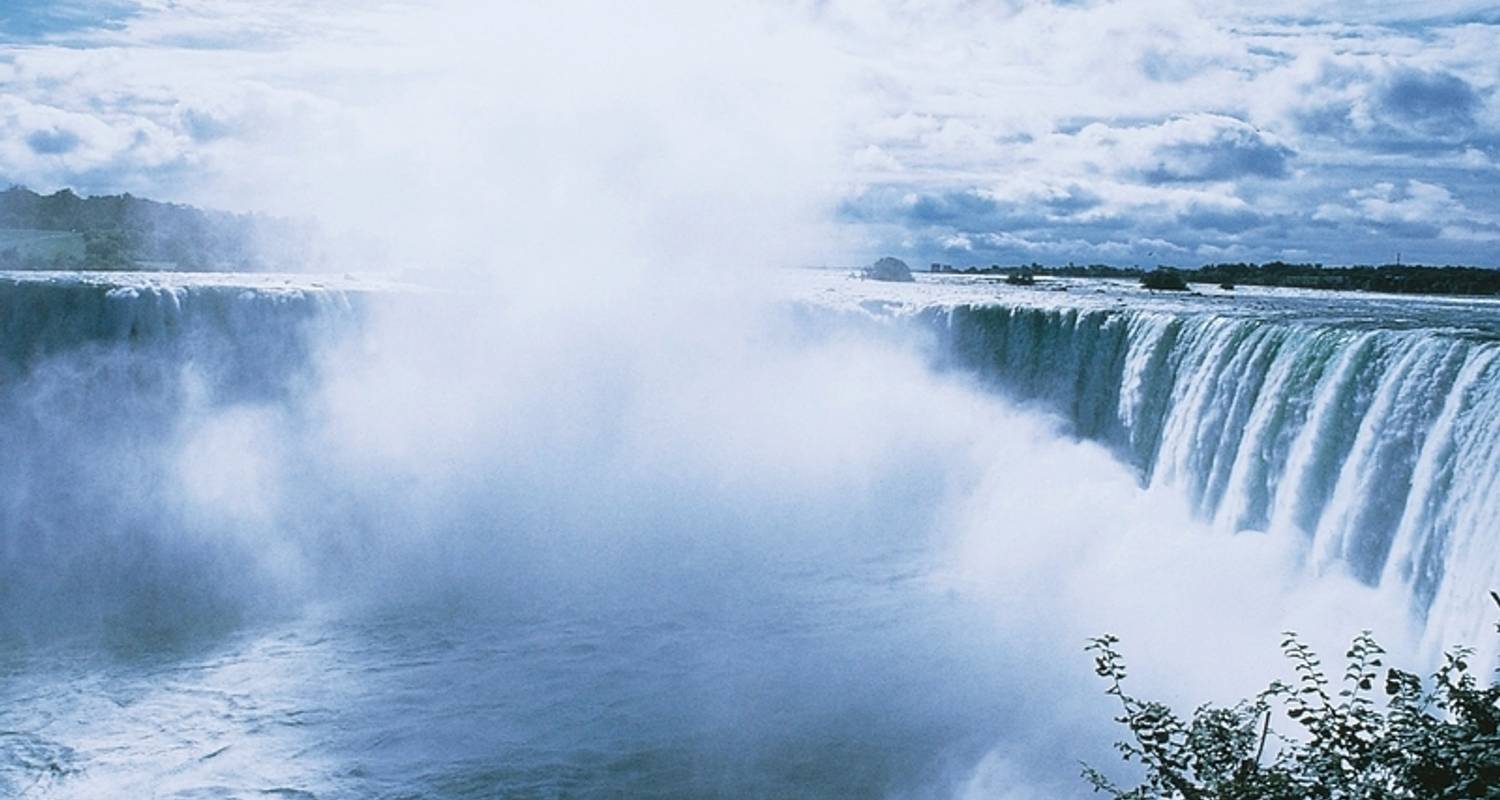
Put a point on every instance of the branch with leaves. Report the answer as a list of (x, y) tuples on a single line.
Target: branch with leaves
[(1423, 740)]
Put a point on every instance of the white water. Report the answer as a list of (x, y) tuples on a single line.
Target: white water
[(1363, 426), (353, 540)]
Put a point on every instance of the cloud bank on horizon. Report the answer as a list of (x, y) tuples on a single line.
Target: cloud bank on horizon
[(1117, 131)]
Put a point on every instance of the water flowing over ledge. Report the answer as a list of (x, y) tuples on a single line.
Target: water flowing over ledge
[(255, 316), (1364, 424)]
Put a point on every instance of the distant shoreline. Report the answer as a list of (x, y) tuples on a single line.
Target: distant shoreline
[(67, 231), (1385, 279)]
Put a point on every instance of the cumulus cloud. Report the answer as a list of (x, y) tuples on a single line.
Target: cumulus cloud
[(51, 146), (1135, 192), (1417, 210), (1197, 122), (1186, 149), (1219, 128), (1222, 150), (1370, 104)]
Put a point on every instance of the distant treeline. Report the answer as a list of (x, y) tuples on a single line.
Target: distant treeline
[(111, 232), (1397, 278)]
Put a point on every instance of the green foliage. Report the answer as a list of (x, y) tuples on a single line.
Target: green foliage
[(66, 231), (1165, 279), (38, 249), (106, 249), (1419, 741)]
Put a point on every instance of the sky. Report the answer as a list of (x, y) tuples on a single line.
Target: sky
[(1176, 132)]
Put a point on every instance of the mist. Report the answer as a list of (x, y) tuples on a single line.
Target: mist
[(789, 542), (715, 541)]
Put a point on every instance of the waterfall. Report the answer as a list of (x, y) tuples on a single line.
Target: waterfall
[(256, 325), (1379, 446)]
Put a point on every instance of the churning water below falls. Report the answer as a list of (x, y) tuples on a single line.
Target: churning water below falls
[(271, 536)]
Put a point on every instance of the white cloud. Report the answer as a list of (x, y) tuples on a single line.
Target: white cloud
[(51, 146), (1127, 115), (873, 160), (958, 242), (1419, 209)]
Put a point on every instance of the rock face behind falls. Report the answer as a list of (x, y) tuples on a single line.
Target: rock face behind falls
[(889, 269)]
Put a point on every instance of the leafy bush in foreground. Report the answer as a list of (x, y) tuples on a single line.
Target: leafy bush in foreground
[(1437, 740)]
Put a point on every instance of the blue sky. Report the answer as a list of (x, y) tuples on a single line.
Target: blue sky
[(1173, 131)]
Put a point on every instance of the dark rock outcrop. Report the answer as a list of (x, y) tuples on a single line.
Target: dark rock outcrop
[(889, 269)]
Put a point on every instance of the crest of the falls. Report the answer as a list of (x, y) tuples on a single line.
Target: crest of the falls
[(254, 317), (1364, 425)]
